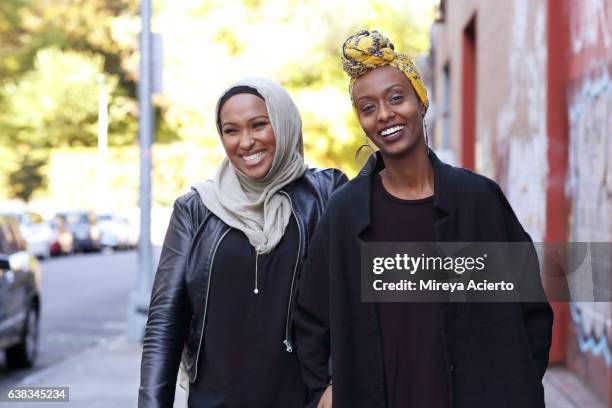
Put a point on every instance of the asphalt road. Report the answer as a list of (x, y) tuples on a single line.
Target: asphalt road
[(84, 300)]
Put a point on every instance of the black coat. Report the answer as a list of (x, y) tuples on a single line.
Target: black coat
[(496, 353), (177, 313)]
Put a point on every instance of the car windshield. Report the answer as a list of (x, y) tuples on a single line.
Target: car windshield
[(77, 218)]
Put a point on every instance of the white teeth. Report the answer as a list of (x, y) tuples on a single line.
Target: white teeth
[(254, 157), (391, 130)]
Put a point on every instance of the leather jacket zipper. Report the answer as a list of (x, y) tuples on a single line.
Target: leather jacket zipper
[(206, 302), (287, 341)]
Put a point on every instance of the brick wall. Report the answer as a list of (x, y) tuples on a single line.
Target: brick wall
[(510, 97)]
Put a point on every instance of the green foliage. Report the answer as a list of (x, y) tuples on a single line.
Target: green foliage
[(253, 4), (11, 31), (28, 175), (53, 51), (56, 104), (26, 26), (231, 41), (298, 42)]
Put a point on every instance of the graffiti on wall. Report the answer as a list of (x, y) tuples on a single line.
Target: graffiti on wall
[(520, 140), (589, 187), (590, 159), (593, 329), (589, 26)]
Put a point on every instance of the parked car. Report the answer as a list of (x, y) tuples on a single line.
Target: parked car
[(20, 301), (115, 231), (36, 232), (62, 241), (84, 227)]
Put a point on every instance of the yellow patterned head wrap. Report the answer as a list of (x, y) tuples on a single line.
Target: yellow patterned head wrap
[(366, 50)]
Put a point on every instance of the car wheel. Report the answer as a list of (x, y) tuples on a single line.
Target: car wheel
[(23, 355)]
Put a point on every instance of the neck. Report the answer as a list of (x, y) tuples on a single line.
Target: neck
[(409, 177)]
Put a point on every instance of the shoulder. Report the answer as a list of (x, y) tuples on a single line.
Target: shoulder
[(190, 206), (487, 197), (468, 182), (350, 192), (325, 181), (187, 199), (472, 189), (324, 176)]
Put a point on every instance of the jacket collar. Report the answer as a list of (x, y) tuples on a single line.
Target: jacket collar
[(443, 190)]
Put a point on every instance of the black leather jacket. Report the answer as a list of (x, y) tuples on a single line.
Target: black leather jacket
[(177, 313)]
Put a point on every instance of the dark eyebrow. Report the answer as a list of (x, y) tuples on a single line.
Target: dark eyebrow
[(385, 90), (250, 120), (259, 117)]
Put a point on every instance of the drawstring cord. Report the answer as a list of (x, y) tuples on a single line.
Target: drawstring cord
[(256, 291)]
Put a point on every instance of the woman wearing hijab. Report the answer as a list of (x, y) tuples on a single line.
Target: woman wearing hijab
[(411, 354), (222, 300)]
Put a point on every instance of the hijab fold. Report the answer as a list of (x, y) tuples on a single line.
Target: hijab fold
[(258, 208)]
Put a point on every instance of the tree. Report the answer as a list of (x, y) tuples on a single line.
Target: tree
[(97, 26), (297, 42), (28, 174), (56, 103), (48, 94), (51, 52)]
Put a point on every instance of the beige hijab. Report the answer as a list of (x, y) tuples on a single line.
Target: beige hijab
[(257, 207)]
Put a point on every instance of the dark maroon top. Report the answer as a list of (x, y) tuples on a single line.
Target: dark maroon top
[(413, 347)]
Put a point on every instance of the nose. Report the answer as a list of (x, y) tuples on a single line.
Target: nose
[(246, 141), (385, 113)]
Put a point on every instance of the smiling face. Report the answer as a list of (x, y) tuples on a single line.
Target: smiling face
[(247, 134), (389, 111)]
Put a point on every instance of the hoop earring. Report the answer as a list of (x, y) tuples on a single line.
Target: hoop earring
[(426, 137), (367, 168)]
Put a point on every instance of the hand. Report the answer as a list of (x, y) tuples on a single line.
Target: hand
[(326, 398)]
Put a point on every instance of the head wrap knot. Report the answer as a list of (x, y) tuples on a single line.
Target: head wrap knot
[(366, 50)]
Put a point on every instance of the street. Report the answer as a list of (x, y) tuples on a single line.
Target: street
[(84, 301)]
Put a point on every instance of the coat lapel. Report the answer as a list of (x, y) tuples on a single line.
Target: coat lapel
[(443, 199), (443, 196)]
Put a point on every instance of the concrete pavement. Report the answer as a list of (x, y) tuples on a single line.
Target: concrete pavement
[(107, 375)]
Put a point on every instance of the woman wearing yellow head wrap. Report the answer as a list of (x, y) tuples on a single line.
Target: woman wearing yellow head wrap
[(412, 354), (370, 54), (366, 50)]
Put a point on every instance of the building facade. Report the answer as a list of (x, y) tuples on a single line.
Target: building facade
[(522, 91)]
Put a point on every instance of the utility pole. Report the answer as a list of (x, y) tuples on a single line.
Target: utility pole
[(139, 300), (102, 143)]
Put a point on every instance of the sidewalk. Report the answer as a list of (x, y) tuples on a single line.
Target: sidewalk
[(564, 390), (107, 375)]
